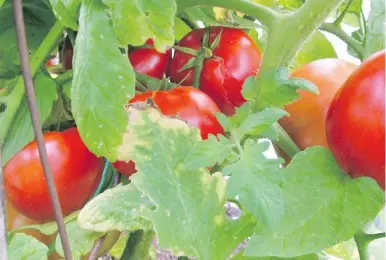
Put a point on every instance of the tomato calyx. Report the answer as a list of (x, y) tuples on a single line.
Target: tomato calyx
[(199, 55)]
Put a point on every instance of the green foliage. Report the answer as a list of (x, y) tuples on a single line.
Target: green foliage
[(67, 12), (99, 95), (274, 89), (135, 21), (81, 240), (315, 48), (375, 31), (22, 247), (119, 208), (324, 206), (21, 132)]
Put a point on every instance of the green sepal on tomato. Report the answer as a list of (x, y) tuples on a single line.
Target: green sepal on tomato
[(229, 57), (355, 123), (76, 173), (189, 104)]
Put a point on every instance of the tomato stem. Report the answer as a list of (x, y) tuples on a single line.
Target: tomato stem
[(362, 243), (338, 31), (138, 245), (198, 65), (285, 141)]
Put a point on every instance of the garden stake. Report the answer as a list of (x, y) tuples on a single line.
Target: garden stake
[(28, 84)]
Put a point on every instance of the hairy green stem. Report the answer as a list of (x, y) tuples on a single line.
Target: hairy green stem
[(340, 18), (285, 141), (45, 48), (288, 33), (363, 240), (138, 245), (338, 31), (264, 14)]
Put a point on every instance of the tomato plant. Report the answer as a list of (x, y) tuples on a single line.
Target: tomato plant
[(75, 180), (188, 103), (240, 76), (228, 61), (355, 123)]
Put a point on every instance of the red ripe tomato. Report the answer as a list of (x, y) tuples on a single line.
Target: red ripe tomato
[(189, 104), (76, 172), (355, 123), (148, 61), (234, 59)]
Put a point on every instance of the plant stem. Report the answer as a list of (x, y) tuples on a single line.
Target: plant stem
[(138, 245), (338, 31), (360, 240), (64, 78), (285, 141), (264, 14), (45, 48), (281, 47), (340, 18)]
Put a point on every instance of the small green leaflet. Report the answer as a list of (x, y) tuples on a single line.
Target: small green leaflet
[(1, 2), (22, 246), (315, 48), (134, 21), (375, 34), (188, 201), (209, 152), (21, 132), (255, 182), (274, 89), (67, 12), (103, 82), (81, 240), (118, 208), (324, 207)]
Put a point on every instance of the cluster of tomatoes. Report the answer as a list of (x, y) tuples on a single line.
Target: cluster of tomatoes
[(347, 117)]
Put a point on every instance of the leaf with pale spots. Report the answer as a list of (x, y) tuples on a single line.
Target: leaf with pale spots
[(99, 92), (190, 216), (81, 240), (119, 208), (324, 206), (134, 21)]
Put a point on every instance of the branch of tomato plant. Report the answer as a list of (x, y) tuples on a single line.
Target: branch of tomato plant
[(138, 245), (37, 59), (337, 30)]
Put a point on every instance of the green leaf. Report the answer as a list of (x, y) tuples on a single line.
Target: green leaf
[(204, 14), (22, 246), (375, 33), (38, 20), (240, 256), (353, 14), (99, 94), (275, 89), (255, 182), (1, 2), (209, 152), (259, 122), (324, 206), (81, 240), (134, 21), (67, 12), (118, 248), (21, 131), (180, 28), (190, 202), (118, 208), (315, 48)]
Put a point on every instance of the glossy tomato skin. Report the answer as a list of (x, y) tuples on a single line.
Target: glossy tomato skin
[(76, 172), (307, 115), (149, 61), (355, 123), (189, 104), (234, 59)]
